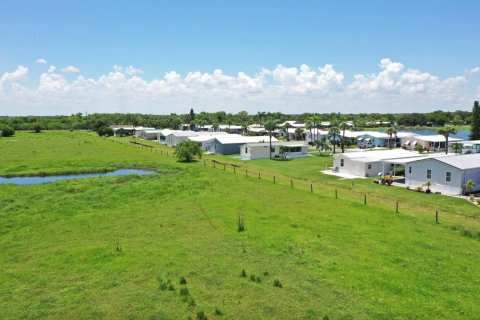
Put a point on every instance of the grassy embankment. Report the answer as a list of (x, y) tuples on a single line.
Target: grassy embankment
[(103, 247)]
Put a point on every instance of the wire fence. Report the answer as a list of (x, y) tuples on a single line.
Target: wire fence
[(354, 193)]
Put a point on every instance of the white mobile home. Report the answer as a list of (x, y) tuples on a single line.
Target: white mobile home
[(175, 137), (447, 174), (468, 146), (202, 140), (231, 145), (150, 134), (251, 151), (369, 163)]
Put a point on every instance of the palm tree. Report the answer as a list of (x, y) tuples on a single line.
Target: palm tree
[(287, 126), (390, 131), (245, 128), (446, 132), (309, 126), (334, 132), (215, 126), (343, 126), (299, 134), (322, 145), (270, 125), (315, 124)]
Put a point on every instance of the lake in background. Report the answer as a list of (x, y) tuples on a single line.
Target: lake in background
[(461, 134), (46, 179)]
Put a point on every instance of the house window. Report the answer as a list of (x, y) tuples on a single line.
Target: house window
[(246, 150), (341, 162), (429, 174), (410, 169), (272, 149), (391, 165), (369, 166), (448, 176)]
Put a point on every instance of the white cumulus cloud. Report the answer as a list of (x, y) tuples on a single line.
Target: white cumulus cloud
[(71, 69), (290, 89), (19, 74), (42, 61), (475, 70)]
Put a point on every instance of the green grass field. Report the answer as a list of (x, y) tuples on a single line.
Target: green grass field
[(116, 248)]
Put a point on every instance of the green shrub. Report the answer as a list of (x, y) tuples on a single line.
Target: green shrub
[(183, 280), (252, 277), (218, 312), (277, 283), (467, 233), (7, 132), (105, 131), (201, 315), (184, 292), (243, 274), (187, 151), (163, 284), (240, 223)]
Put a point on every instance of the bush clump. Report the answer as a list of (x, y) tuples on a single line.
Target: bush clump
[(201, 315), (105, 131), (184, 292), (277, 283), (243, 274), (183, 280), (187, 151), (7, 132)]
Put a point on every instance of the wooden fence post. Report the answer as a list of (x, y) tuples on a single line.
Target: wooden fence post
[(311, 187), (336, 193), (291, 183), (436, 216), (365, 199), (397, 208)]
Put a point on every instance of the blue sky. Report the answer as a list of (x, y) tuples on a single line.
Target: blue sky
[(430, 53)]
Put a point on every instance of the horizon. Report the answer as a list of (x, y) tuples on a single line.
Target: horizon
[(308, 57)]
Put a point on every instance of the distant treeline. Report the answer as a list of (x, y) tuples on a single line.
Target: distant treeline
[(96, 120)]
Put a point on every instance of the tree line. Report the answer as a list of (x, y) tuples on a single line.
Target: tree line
[(94, 121)]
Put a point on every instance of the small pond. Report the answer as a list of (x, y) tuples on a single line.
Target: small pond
[(46, 179)]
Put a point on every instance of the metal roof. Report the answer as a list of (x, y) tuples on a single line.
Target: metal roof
[(435, 138), (203, 138), (276, 143), (243, 139), (464, 161)]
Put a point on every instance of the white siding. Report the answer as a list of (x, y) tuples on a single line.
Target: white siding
[(439, 170)]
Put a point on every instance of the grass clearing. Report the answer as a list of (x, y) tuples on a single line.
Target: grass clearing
[(104, 247)]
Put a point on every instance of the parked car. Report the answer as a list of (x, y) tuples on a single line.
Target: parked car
[(366, 145)]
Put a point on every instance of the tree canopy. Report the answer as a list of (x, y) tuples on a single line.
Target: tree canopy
[(475, 129), (187, 151)]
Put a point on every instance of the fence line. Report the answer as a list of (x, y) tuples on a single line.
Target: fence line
[(353, 194)]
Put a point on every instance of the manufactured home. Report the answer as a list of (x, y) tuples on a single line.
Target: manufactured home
[(447, 174), (252, 151), (429, 142), (231, 145)]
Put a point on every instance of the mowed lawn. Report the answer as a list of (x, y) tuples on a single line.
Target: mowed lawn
[(116, 248)]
